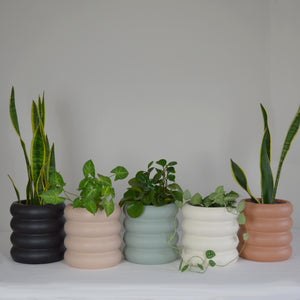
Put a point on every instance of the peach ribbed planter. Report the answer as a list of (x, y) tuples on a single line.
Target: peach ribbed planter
[(269, 228), (92, 241)]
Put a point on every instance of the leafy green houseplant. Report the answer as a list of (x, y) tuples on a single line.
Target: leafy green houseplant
[(36, 225), (210, 226), (158, 189), (96, 191), (266, 208), (150, 209), (92, 220)]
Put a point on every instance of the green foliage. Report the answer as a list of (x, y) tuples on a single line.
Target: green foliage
[(206, 262), (216, 199), (41, 164), (268, 188), (96, 192), (155, 186)]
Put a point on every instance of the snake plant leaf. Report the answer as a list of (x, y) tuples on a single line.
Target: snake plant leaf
[(47, 146), (120, 172), (41, 109), (267, 183), (35, 118), (29, 191), (37, 154), (266, 128), (13, 112), (241, 178), (293, 129), (15, 188), (88, 168), (15, 123), (51, 161)]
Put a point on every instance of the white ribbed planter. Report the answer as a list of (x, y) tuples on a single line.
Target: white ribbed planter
[(209, 228), (92, 241)]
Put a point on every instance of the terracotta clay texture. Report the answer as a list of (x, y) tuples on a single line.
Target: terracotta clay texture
[(92, 241), (269, 228), (209, 228)]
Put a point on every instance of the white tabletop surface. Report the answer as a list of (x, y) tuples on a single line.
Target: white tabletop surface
[(242, 280)]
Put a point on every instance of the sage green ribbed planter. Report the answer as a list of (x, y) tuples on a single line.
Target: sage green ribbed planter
[(146, 237)]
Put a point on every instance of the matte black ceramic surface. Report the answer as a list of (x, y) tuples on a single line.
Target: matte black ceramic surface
[(38, 234)]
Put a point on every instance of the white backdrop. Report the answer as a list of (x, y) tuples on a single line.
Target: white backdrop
[(127, 82)]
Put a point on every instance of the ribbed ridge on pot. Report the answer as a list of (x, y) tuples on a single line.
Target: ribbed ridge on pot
[(269, 232), (92, 241), (209, 228), (38, 233), (147, 236)]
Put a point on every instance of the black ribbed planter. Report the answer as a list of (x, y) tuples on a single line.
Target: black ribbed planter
[(38, 233)]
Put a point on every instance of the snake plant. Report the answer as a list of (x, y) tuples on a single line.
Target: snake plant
[(40, 163), (268, 187)]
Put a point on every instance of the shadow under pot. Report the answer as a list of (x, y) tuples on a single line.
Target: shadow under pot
[(269, 229), (148, 237), (92, 241), (209, 228), (38, 234)]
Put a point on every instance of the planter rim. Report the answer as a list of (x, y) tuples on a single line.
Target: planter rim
[(249, 201), (155, 207), (208, 208), (22, 204), (81, 213)]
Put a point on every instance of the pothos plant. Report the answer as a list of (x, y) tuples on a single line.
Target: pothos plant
[(219, 198), (40, 164), (96, 192), (156, 186), (268, 187)]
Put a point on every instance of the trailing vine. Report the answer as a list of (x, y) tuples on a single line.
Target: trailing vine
[(216, 199)]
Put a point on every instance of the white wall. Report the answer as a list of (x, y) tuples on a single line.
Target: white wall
[(127, 82)]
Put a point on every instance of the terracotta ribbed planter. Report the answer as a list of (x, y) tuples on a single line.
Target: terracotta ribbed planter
[(269, 228), (209, 228), (147, 237), (92, 241)]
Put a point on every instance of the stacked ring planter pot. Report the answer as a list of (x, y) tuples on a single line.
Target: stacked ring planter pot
[(269, 230), (38, 234), (147, 237), (92, 241), (209, 228)]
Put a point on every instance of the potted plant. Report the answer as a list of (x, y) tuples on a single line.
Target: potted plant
[(268, 219), (92, 221), (210, 226), (38, 233), (150, 214)]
